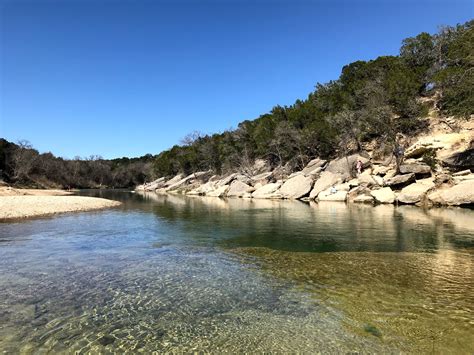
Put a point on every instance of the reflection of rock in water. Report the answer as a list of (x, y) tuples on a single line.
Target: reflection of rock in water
[(415, 301)]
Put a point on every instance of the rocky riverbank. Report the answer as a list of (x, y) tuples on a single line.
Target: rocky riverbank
[(437, 170)]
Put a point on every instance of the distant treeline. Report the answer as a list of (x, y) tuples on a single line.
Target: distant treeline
[(371, 101), (22, 165)]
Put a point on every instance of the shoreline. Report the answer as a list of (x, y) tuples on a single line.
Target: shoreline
[(18, 204)]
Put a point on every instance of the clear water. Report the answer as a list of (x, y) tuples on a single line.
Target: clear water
[(177, 274)]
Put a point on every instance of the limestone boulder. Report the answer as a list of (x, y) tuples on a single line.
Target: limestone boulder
[(364, 199), (366, 179), (400, 180), (326, 180), (460, 160), (384, 195), (238, 189), (227, 180), (345, 166), (314, 166), (220, 191), (416, 192), (263, 178), (328, 195), (460, 194), (267, 191), (417, 169), (296, 187)]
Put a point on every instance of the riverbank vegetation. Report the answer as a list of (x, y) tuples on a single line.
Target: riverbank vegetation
[(371, 101)]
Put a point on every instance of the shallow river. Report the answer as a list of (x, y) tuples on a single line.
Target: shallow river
[(170, 273)]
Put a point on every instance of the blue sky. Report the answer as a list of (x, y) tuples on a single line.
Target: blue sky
[(126, 78)]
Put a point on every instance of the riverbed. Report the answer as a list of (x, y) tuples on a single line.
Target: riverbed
[(180, 274)]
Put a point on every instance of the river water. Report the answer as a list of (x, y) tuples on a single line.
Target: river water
[(182, 274)]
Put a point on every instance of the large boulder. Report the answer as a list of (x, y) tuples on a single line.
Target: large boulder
[(415, 192), (460, 194), (296, 187), (364, 199), (203, 189), (328, 195), (326, 179), (366, 179), (267, 191), (417, 169), (400, 180), (219, 191), (173, 180), (345, 166), (238, 189), (314, 166), (263, 178), (460, 160), (384, 195), (227, 180)]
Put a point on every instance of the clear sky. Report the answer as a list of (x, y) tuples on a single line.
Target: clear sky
[(126, 78)]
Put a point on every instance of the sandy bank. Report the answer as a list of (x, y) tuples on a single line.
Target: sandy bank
[(44, 202)]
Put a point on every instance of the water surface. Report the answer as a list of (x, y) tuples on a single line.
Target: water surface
[(172, 273)]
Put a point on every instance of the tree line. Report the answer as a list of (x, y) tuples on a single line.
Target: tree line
[(372, 100), (22, 165)]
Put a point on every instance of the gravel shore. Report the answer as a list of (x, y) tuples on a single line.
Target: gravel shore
[(46, 202)]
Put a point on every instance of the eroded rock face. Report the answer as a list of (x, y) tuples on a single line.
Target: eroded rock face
[(326, 179), (400, 180), (238, 189), (384, 195), (415, 192), (345, 166), (296, 187), (460, 194), (266, 191)]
